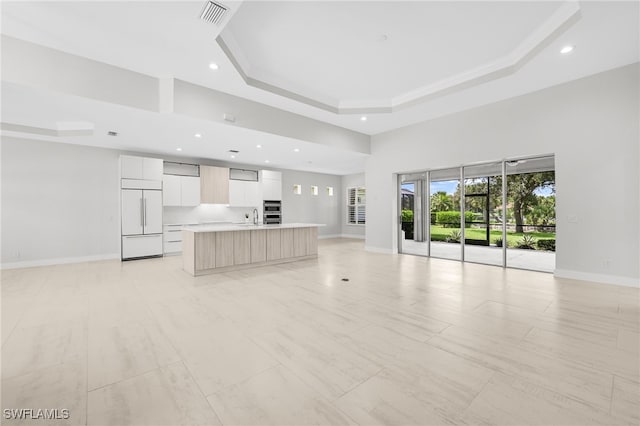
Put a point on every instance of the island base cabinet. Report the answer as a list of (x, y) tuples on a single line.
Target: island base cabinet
[(312, 241), (258, 246), (300, 242), (220, 251), (241, 247), (274, 244), (205, 251), (224, 249), (287, 241)]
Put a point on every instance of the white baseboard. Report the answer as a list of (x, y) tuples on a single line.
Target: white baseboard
[(357, 237), (324, 237), (58, 261), (378, 250), (598, 278)]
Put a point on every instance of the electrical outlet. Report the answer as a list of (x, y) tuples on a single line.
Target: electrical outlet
[(606, 263)]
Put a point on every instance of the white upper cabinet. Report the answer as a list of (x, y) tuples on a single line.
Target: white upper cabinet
[(131, 167), (171, 192), (190, 190), (140, 168), (152, 168), (244, 193), (236, 193), (253, 194), (181, 190), (271, 183)]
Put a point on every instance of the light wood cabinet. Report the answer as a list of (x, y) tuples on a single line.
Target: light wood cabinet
[(286, 238), (224, 248), (241, 247), (274, 244), (312, 241), (214, 185), (258, 246), (205, 250), (300, 241), (227, 250)]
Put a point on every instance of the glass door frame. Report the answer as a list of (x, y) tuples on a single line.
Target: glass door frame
[(426, 211)]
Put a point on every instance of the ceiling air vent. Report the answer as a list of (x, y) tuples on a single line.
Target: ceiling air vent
[(213, 12)]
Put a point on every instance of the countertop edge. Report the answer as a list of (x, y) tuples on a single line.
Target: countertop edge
[(223, 228)]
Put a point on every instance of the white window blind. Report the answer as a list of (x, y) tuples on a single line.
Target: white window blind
[(356, 206)]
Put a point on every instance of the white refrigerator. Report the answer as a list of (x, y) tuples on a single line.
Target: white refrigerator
[(141, 223)]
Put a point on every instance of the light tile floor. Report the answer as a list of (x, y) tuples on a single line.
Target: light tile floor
[(407, 340)]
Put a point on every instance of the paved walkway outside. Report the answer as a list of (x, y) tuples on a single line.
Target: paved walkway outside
[(516, 258)]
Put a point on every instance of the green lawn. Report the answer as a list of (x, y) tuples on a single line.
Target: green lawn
[(439, 233)]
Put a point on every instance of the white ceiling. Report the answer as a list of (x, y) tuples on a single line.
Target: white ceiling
[(367, 54), (333, 51), (162, 134)]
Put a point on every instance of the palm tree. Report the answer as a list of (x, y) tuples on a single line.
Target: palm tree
[(441, 201)]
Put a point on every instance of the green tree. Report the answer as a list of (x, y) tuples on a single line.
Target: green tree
[(521, 194), (543, 211), (441, 201)]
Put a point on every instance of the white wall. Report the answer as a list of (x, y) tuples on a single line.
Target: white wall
[(310, 208), (59, 201), (591, 125), (349, 181)]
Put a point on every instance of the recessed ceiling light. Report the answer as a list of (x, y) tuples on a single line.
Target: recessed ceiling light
[(363, 118), (266, 161), (258, 146), (178, 149), (233, 156), (566, 49), (197, 135), (296, 150), (213, 66)]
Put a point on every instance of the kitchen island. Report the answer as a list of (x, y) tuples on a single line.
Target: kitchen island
[(208, 249)]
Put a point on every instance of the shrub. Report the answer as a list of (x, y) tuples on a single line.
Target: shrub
[(454, 237), (527, 242), (407, 216), (549, 245), (451, 219)]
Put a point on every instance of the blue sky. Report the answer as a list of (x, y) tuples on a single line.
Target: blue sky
[(450, 188)]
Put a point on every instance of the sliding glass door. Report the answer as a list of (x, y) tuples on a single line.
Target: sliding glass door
[(483, 213), (531, 214), (444, 218), (500, 213)]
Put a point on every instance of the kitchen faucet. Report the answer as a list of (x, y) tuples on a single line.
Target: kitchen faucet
[(255, 216)]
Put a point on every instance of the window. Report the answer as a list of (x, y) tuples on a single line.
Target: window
[(356, 206)]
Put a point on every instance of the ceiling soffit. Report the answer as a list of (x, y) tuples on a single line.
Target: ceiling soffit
[(550, 29)]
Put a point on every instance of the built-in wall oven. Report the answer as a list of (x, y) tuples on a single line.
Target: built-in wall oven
[(271, 212)]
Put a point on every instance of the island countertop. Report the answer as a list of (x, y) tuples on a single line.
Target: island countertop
[(221, 227)]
